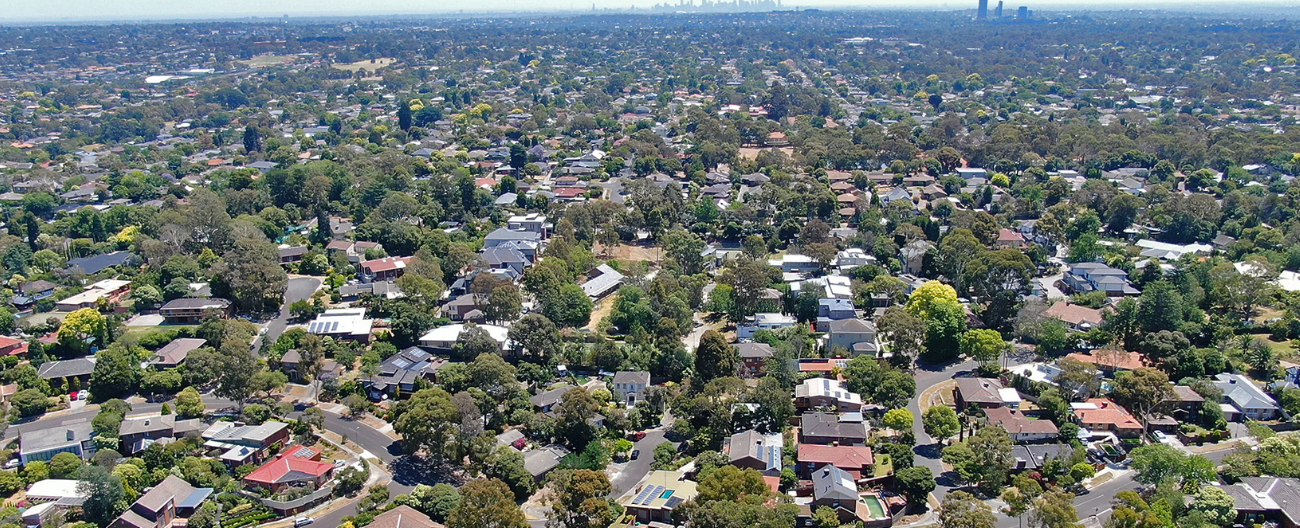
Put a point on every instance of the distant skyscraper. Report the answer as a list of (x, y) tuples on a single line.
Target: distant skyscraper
[(997, 13), (1022, 13), (984, 10)]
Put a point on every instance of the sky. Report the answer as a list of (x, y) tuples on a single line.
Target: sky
[(19, 11)]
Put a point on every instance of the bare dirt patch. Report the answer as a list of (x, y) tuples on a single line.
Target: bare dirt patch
[(368, 65), (631, 253)]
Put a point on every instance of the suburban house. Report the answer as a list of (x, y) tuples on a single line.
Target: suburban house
[(762, 321), (539, 462), (137, 434), (443, 338), (531, 222), (1171, 252), (835, 488), (67, 370), (527, 242), (1019, 427), (653, 499), (853, 257), (355, 291), (913, 255), (107, 290), (73, 436), (754, 450), (856, 460), (631, 384), (1110, 360), (172, 500), (792, 263), (97, 263), (173, 354), (194, 310), (502, 258), (458, 308), (384, 269), (398, 375), (1084, 277), (1186, 402), (753, 357), (855, 335), (1102, 414), (602, 281), (291, 254), (1033, 457), (1243, 400), (355, 251), (1078, 318), (403, 517), (834, 310), (985, 393), (828, 429), (823, 393), (544, 402), (296, 466), (344, 324), (244, 443), (1010, 239), (1260, 499), (12, 347)]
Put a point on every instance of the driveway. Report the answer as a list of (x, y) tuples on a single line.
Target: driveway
[(635, 470), (299, 289)]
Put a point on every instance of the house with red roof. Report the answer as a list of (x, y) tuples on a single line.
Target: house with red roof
[(1103, 414), (297, 466), (856, 460), (12, 347), (1010, 238), (384, 269)]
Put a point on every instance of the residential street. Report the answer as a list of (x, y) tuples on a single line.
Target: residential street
[(300, 288), (637, 469)]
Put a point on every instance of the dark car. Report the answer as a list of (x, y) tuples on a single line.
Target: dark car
[(636, 453)]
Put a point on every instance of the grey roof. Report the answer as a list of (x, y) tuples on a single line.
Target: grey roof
[(834, 483), (147, 424), (756, 445), (171, 489), (979, 390), (606, 279), (55, 436), (632, 376), (1035, 456), (191, 303), (71, 367), (503, 235), (851, 326), (550, 397), (540, 461), (1243, 393), (292, 357), (506, 199), (754, 350), (37, 286), (176, 351), (98, 263), (504, 255), (829, 425), (1280, 494)]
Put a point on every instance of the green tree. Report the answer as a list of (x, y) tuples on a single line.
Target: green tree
[(915, 483), (580, 499), (486, 503), (898, 420), (1142, 391), (83, 328), (1157, 463), (1017, 504), (250, 275), (436, 501), (715, 358), (189, 404), (536, 335), (940, 422), (117, 373), (427, 422), (1054, 509), (731, 484), (65, 465), (1215, 506), (30, 402), (963, 510), (105, 495), (985, 346)]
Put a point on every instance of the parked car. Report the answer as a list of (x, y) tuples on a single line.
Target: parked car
[(636, 453), (83, 395), (637, 436), (303, 521)]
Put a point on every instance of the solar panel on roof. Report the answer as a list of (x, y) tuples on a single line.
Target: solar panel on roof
[(304, 452), (401, 363), (641, 496), (654, 494), (673, 502)]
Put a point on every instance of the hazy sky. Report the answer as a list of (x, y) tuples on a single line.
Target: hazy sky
[(14, 11)]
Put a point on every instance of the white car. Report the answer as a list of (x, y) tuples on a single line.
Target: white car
[(303, 522), (83, 395)]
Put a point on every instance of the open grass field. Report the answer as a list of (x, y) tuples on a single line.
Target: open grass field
[(270, 59), (368, 65)]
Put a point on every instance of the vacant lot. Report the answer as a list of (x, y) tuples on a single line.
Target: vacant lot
[(752, 153), (631, 253), (270, 59)]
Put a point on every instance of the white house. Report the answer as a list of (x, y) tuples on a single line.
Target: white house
[(631, 384), (445, 337), (763, 321)]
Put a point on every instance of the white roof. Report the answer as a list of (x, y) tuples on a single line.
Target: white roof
[(773, 318), (1083, 406), (450, 333), (1009, 395), (1289, 281), (344, 321), (815, 387), (53, 489), (1040, 372), (110, 284), (789, 258)]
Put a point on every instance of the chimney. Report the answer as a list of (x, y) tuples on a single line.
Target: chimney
[(146, 421)]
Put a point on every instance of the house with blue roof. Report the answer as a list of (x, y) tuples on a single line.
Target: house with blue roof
[(1244, 400)]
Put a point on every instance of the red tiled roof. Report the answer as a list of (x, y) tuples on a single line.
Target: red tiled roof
[(1074, 314), (1014, 422), (1007, 235), (1109, 413), (385, 264), (843, 457), (289, 467)]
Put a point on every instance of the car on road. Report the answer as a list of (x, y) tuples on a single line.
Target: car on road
[(636, 453), (83, 395), (637, 436), (303, 522)]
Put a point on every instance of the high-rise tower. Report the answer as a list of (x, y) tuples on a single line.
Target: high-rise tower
[(984, 10), (997, 13)]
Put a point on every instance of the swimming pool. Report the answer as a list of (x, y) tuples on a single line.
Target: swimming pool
[(874, 505)]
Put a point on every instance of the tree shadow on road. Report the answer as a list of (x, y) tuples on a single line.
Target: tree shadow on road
[(409, 470)]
